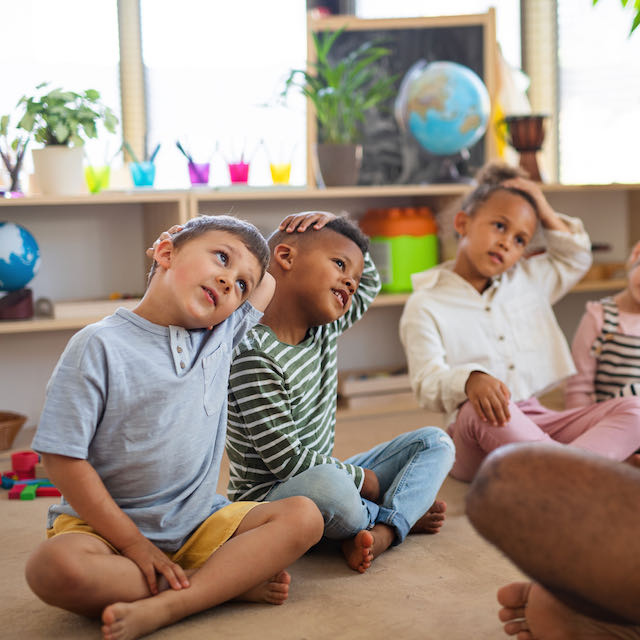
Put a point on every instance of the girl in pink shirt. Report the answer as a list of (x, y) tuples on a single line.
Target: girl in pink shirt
[(606, 346)]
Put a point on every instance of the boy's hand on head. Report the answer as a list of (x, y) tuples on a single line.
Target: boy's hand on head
[(305, 219), (152, 562), (165, 235), (371, 486), (489, 397)]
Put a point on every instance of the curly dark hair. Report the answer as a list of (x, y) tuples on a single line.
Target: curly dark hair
[(491, 178), (340, 225)]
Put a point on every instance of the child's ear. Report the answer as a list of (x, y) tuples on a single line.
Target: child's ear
[(284, 256), (460, 222), (163, 252)]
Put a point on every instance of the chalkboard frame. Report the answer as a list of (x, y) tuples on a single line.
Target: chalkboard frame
[(482, 57)]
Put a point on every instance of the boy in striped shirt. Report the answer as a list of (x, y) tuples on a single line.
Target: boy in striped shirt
[(282, 400)]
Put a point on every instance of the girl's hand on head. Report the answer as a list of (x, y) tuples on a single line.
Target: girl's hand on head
[(152, 562), (634, 256), (165, 235), (305, 219), (489, 397), (549, 219)]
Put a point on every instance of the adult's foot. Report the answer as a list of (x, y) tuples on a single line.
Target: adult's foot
[(432, 520), (358, 551), (532, 613), (274, 591)]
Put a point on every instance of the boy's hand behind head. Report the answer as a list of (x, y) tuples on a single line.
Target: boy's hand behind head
[(305, 219), (165, 235)]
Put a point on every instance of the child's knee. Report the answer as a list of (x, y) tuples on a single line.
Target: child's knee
[(307, 517), (49, 572)]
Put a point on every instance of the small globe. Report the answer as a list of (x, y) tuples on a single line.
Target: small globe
[(19, 256), (444, 105)]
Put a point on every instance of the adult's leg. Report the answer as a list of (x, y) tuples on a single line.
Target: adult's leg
[(270, 537), (474, 438), (410, 469), (567, 518)]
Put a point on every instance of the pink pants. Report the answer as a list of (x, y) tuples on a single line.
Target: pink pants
[(610, 428)]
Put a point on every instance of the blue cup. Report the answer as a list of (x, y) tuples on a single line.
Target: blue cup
[(143, 173)]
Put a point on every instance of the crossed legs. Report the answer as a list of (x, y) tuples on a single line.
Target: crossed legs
[(568, 519), (81, 574)]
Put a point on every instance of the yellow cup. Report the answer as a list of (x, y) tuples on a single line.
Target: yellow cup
[(280, 172)]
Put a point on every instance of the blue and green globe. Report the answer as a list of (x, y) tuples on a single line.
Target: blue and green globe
[(19, 256), (444, 105)]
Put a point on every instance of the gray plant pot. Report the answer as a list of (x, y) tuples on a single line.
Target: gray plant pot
[(338, 164)]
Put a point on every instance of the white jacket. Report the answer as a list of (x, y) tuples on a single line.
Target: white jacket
[(448, 329)]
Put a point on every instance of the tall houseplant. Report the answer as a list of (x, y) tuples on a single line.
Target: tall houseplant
[(62, 121), (342, 90)]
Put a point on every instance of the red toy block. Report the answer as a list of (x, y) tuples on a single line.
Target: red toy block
[(15, 491), (46, 492), (24, 464)]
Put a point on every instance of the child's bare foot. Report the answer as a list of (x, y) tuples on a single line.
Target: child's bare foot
[(549, 619), (432, 521), (130, 620), (274, 591), (358, 551)]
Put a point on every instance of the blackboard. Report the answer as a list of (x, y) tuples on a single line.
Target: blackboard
[(391, 155)]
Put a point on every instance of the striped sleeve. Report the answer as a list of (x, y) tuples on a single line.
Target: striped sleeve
[(368, 289), (265, 444)]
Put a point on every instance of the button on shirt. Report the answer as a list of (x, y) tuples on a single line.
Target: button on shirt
[(449, 329)]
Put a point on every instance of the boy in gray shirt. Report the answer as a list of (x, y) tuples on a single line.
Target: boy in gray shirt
[(133, 432)]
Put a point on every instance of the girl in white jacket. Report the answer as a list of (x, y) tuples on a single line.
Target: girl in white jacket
[(481, 338)]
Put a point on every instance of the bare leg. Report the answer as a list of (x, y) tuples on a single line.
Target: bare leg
[(432, 521), (565, 517), (530, 611), (361, 550), (270, 537)]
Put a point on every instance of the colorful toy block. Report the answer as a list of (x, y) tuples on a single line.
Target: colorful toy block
[(21, 481)]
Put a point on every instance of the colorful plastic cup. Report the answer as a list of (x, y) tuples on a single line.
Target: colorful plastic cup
[(199, 172), (143, 173), (97, 178), (280, 172), (239, 172)]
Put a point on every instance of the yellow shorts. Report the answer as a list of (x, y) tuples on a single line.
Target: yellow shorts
[(208, 537)]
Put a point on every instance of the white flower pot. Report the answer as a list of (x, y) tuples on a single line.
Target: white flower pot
[(58, 170)]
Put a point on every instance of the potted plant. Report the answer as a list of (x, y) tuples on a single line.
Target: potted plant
[(12, 153), (62, 120), (342, 90)]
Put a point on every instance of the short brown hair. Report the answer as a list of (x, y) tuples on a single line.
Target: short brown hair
[(248, 234)]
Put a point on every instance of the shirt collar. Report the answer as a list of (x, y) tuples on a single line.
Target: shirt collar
[(443, 272)]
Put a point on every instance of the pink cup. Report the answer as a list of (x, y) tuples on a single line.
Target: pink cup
[(239, 172)]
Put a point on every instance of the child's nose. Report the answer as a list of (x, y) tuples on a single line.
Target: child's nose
[(224, 283)]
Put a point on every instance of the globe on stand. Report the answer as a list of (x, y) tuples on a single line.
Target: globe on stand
[(19, 263), (446, 108)]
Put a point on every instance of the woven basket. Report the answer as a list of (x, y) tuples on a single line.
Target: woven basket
[(10, 424)]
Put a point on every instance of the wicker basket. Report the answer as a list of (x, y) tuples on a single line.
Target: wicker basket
[(10, 424)]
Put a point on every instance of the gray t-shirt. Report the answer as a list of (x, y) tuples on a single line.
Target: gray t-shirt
[(146, 406)]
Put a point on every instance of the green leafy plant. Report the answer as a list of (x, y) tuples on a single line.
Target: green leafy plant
[(65, 118), (636, 8), (12, 152), (342, 91)]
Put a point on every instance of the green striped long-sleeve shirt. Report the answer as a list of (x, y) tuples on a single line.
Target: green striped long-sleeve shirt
[(282, 401)]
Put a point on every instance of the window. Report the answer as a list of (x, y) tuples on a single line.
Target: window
[(599, 67), (65, 43), (213, 73)]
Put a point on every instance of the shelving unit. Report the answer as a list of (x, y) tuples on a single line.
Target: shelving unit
[(266, 206), (93, 245)]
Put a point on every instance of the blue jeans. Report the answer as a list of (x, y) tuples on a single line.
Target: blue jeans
[(410, 469)]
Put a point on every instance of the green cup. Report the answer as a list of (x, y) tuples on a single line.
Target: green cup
[(97, 178)]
